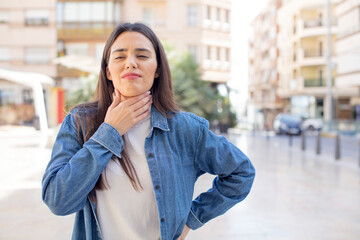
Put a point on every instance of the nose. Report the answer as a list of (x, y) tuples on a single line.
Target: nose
[(131, 63)]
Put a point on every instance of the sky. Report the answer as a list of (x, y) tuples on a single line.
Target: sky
[(243, 12)]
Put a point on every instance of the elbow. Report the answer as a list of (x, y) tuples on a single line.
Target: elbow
[(55, 204)]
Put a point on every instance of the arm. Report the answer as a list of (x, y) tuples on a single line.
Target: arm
[(74, 169), (235, 175)]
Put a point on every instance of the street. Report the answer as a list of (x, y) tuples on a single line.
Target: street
[(296, 194)]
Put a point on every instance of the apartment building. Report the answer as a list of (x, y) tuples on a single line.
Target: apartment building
[(28, 43), (199, 27), (196, 26), (34, 33), (264, 103), (348, 58), (302, 62)]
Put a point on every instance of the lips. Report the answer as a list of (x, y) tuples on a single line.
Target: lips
[(131, 76)]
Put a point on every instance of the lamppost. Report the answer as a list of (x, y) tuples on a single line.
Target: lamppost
[(329, 65)]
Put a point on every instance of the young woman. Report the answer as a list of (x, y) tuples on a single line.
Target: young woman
[(126, 163)]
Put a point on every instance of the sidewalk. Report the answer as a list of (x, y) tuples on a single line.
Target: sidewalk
[(296, 195)]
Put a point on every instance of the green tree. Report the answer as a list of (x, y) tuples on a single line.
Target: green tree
[(84, 93), (195, 95)]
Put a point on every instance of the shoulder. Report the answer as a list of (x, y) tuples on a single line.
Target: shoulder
[(78, 115), (187, 118)]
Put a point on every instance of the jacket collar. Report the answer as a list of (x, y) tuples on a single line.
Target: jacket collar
[(158, 120)]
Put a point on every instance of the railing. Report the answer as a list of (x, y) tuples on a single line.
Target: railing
[(317, 23), (319, 82), (313, 23), (84, 29), (311, 53), (314, 82)]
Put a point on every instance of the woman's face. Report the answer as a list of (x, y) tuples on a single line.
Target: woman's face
[(132, 64)]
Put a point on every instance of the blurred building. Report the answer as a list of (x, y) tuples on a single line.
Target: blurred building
[(36, 32), (28, 43), (264, 103), (302, 61), (202, 29), (82, 30), (348, 58)]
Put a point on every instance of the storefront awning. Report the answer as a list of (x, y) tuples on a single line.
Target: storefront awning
[(36, 81)]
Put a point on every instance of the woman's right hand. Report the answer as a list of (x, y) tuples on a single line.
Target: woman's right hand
[(122, 115)]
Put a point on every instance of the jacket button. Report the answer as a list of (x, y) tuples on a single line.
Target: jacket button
[(157, 187), (150, 155), (162, 220)]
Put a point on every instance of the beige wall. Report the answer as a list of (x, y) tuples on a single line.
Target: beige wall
[(207, 33), (348, 44), (303, 43), (17, 37)]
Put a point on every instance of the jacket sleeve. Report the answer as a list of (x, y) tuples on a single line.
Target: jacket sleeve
[(73, 169), (235, 176)]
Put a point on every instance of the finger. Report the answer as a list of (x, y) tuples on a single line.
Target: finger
[(143, 108), (134, 100), (142, 116), (116, 100), (143, 102)]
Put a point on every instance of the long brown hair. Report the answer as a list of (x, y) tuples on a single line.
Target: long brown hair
[(92, 114)]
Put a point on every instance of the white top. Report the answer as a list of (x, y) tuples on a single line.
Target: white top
[(123, 212)]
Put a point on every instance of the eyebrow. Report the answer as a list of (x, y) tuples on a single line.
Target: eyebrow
[(136, 49)]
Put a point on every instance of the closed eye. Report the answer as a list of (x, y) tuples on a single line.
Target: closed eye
[(142, 56)]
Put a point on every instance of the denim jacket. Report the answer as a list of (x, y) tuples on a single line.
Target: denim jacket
[(178, 150)]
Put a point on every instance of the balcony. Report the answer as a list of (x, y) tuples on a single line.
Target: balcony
[(85, 30), (313, 23), (317, 82), (314, 27), (310, 57), (313, 53)]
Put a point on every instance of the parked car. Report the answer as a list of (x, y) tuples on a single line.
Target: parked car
[(287, 124), (312, 124)]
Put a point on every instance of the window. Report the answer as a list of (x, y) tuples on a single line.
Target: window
[(147, 16), (37, 55), (7, 96), (27, 96), (193, 51), (70, 11), (192, 15), (227, 55), (117, 12), (59, 12), (99, 49), (4, 16), (227, 16), (87, 11), (98, 12), (218, 54), (36, 17), (208, 12), (77, 49), (110, 12), (208, 53), (218, 14), (4, 54)]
